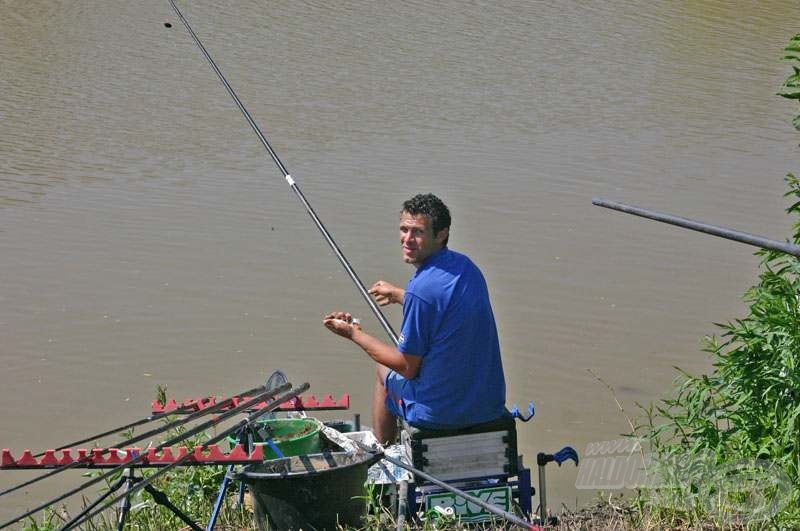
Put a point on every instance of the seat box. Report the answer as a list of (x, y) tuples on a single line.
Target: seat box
[(483, 450)]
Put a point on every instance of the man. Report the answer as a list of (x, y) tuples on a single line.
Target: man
[(446, 370)]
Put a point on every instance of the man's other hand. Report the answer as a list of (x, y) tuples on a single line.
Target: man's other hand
[(386, 293)]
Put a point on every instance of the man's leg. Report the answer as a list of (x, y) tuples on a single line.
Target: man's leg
[(384, 423)]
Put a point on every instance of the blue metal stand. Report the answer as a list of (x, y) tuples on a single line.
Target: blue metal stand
[(525, 491), (242, 435), (542, 459)]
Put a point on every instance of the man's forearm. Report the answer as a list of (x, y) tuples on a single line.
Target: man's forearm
[(386, 355)]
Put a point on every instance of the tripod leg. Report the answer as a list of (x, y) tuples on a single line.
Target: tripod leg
[(220, 500), (125, 502), (241, 493), (542, 496), (86, 510), (247, 437), (161, 498)]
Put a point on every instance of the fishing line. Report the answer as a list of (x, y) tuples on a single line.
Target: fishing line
[(148, 480), (291, 182), (155, 431), (197, 429)]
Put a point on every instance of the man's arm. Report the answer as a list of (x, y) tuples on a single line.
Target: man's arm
[(386, 293), (406, 365)]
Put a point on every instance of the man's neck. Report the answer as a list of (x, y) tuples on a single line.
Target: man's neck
[(436, 252)]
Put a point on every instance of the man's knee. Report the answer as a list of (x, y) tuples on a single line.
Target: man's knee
[(380, 374)]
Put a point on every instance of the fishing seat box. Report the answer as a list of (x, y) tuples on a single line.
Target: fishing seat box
[(480, 451)]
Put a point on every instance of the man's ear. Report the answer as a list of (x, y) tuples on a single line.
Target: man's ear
[(443, 235)]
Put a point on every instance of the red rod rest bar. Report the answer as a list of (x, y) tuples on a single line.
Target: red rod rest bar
[(301, 403), (112, 457)]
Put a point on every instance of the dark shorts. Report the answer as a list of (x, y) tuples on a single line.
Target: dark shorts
[(394, 389)]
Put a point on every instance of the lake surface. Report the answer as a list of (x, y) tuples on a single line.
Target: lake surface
[(146, 238)]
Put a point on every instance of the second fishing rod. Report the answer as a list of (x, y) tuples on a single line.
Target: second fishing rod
[(290, 181)]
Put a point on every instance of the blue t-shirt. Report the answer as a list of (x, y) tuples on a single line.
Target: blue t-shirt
[(448, 320)]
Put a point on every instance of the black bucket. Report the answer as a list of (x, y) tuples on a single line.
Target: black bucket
[(309, 492)]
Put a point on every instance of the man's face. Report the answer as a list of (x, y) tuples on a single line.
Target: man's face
[(417, 238)]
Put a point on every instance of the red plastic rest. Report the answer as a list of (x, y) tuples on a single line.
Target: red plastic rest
[(299, 403), (49, 458), (27, 459), (7, 460)]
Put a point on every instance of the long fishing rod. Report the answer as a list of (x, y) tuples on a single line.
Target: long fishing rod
[(211, 409), (148, 480), (197, 429), (699, 226), (290, 181), (145, 420), (464, 495)]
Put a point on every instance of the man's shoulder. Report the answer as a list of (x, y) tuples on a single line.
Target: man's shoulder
[(463, 261)]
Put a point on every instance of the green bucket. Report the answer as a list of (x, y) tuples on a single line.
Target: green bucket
[(291, 436)]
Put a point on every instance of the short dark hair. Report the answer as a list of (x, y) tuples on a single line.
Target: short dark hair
[(431, 206)]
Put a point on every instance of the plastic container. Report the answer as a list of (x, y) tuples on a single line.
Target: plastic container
[(342, 426), (291, 436), (317, 491)]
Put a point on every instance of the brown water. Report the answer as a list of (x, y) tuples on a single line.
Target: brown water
[(146, 238)]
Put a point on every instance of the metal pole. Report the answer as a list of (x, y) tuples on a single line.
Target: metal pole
[(145, 420), (291, 182), (145, 435), (472, 499), (125, 502), (224, 487), (402, 504), (161, 498), (213, 440), (722, 232), (193, 431), (542, 496)]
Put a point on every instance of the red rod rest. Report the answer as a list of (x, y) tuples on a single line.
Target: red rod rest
[(299, 403), (112, 457)]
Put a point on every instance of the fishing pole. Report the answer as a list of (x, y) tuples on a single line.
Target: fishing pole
[(128, 442), (197, 429), (699, 226), (148, 480), (507, 516), (289, 180), (145, 420), (467, 497)]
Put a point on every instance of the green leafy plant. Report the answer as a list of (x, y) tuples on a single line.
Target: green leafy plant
[(791, 87), (748, 408), (742, 421)]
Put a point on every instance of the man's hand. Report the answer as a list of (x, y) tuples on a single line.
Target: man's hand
[(386, 293), (341, 323)]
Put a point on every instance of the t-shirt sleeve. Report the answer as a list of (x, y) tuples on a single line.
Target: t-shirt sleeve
[(416, 333)]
